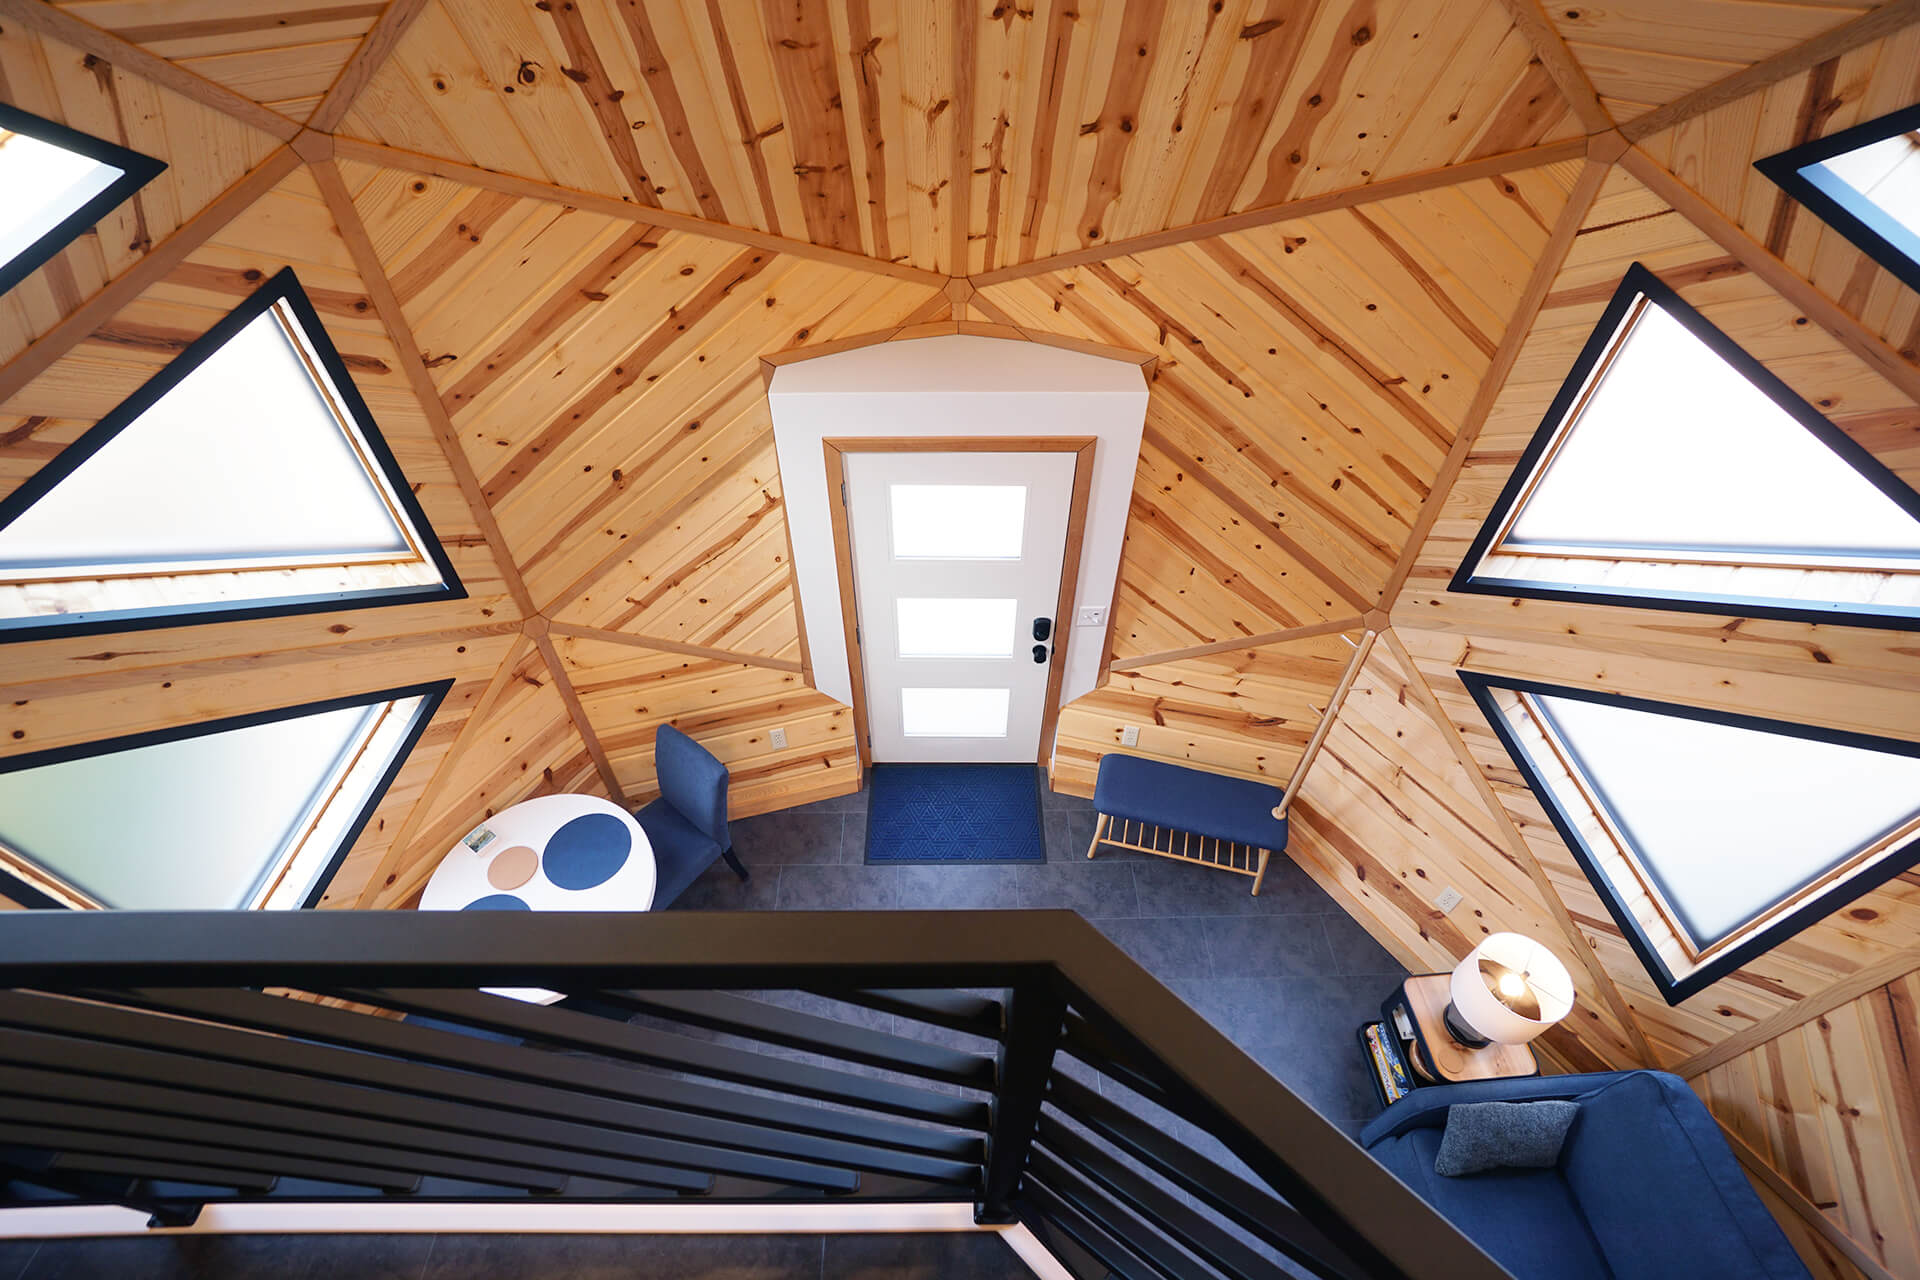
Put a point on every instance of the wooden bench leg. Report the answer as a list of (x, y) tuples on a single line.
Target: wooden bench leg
[(1099, 831), (1261, 875)]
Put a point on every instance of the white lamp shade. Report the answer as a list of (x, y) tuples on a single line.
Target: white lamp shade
[(1510, 988)]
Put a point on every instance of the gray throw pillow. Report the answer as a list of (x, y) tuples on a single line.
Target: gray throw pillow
[(1496, 1135)]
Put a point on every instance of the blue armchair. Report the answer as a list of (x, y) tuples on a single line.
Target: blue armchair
[(687, 825), (1646, 1186)]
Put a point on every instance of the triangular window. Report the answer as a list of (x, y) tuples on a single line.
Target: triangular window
[(246, 477), (1864, 182), (1713, 837), (58, 183), (253, 811), (1674, 471)]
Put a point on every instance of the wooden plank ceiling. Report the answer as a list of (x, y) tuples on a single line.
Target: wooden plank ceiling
[(1361, 241)]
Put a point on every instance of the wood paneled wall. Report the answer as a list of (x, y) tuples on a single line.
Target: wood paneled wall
[(1363, 242)]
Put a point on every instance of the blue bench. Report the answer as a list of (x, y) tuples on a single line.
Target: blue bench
[(1188, 814)]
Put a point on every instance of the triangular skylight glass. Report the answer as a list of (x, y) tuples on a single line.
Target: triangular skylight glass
[(249, 812), (1675, 471), (58, 182), (1719, 829), (1865, 183), (246, 475)]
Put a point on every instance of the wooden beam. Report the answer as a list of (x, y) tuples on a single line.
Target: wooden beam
[(1347, 677), (1848, 989), (661, 645), (614, 207), (41, 354), (1875, 24), (407, 350), (1761, 1170), (1783, 279), (374, 47), (1520, 851), (387, 872), (1519, 326), (1561, 66), (130, 57), (959, 201), (1239, 642), (1345, 198), (564, 687)]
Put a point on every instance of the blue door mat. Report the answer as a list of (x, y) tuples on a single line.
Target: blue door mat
[(954, 813)]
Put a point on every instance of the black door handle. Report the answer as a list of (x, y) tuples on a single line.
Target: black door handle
[(1042, 628), (1039, 653)]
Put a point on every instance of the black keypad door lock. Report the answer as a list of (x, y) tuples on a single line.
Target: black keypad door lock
[(1042, 628), (1039, 653)]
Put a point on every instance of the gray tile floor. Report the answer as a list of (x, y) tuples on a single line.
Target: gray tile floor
[(1288, 975)]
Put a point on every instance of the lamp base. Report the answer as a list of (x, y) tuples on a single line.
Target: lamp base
[(1462, 1033)]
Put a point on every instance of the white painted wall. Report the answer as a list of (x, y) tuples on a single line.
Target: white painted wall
[(955, 386)]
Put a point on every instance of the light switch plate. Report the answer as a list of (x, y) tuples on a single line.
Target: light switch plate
[(1449, 899), (1130, 736), (779, 739), (1091, 616)]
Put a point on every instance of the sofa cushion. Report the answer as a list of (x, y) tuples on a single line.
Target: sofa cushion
[(1662, 1192), (680, 851), (1496, 1135), (1526, 1219)]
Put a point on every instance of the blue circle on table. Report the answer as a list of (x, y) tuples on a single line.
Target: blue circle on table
[(586, 851), (497, 902)]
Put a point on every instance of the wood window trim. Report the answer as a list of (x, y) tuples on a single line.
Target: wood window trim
[(301, 325), (22, 877), (836, 448), (1640, 288), (1888, 856)]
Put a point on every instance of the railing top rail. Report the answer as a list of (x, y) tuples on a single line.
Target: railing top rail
[(1307, 1158)]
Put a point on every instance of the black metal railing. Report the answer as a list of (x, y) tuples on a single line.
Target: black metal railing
[(1017, 1060)]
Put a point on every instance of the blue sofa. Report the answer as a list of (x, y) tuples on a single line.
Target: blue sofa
[(1646, 1186)]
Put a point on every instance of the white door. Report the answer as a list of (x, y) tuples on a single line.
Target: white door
[(956, 567)]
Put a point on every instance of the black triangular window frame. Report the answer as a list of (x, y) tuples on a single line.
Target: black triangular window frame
[(136, 171), (282, 288), (1809, 911), (1639, 281), (1846, 211), (431, 693)]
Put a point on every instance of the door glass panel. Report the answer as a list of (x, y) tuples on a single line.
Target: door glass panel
[(958, 521), (954, 713), (955, 628)]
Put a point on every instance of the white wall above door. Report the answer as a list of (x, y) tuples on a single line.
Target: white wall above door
[(955, 386)]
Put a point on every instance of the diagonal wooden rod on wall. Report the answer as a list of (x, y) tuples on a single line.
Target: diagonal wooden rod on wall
[(1320, 731), (366, 59), (130, 57), (41, 354), (1519, 325), (1773, 272), (660, 644), (407, 350), (388, 872), (1874, 24), (538, 628), (1239, 642), (1519, 849), (1561, 66)]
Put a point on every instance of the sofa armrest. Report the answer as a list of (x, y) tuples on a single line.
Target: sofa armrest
[(1426, 1107)]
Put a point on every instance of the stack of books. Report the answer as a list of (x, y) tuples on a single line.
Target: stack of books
[(1389, 1068)]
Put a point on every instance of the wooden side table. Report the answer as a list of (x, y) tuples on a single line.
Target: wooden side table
[(1435, 1056)]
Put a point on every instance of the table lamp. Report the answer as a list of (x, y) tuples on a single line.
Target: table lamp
[(1507, 990)]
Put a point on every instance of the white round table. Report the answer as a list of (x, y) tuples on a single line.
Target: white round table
[(552, 853)]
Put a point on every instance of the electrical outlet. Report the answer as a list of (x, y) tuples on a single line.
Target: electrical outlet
[(1130, 736), (779, 740), (1092, 616), (1449, 899)]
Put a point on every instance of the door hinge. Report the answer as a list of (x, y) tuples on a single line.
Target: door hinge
[(856, 633), (843, 493)]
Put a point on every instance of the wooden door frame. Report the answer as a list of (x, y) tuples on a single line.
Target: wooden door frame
[(836, 447)]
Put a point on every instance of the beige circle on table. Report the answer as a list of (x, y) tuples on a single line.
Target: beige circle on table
[(513, 867)]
